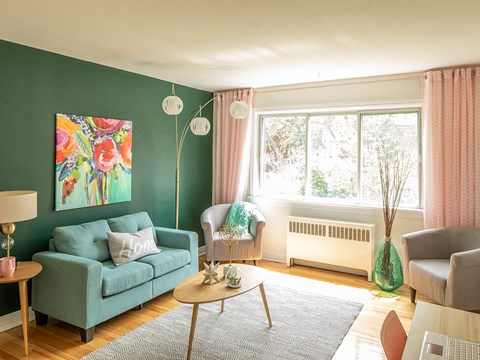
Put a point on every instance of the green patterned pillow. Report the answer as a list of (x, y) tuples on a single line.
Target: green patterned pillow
[(240, 214)]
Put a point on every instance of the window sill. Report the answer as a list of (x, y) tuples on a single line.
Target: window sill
[(410, 213)]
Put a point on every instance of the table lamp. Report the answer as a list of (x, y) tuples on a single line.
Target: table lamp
[(15, 206)]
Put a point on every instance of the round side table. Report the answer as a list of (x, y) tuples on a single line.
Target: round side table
[(25, 270)]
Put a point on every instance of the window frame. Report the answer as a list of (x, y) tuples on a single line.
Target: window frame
[(258, 176)]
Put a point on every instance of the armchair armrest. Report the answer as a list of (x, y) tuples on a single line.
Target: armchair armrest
[(465, 259), (463, 283), (424, 244), (257, 224), (79, 280), (179, 239), (207, 220)]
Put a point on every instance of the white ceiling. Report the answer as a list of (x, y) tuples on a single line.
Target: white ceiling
[(224, 44)]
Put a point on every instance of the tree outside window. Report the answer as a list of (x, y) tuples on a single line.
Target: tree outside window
[(333, 157)]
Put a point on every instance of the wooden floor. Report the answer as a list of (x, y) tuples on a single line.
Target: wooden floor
[(58, 340)]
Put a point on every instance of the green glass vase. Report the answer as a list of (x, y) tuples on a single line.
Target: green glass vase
[(387, 272)]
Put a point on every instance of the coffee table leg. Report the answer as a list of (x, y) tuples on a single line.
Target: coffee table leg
[(222, 307), (192, 330), (264, 297)]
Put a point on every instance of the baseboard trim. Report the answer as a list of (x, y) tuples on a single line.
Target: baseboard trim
[(14, 319), (274, 259), (202, 250)]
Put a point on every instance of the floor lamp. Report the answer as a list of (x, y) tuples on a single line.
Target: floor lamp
[(198, 125)]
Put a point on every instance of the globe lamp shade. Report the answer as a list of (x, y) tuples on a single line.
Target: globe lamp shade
[(239, 109), (200, 126), (172, 105)]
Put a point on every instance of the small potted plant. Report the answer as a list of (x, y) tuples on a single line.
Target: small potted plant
[(234, 277)]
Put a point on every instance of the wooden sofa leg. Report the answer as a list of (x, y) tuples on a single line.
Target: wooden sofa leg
[(255, 262), (41, 318), (413, 293), (87, 334), (139, 307)]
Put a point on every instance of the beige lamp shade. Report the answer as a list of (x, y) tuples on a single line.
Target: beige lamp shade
[(17, 206)]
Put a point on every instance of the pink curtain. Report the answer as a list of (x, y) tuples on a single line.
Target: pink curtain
[(451, 112), (230, 137)]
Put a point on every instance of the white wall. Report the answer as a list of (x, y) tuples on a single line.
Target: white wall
[(373, 92), (276, 213)]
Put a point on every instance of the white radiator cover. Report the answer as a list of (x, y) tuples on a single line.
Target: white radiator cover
[(329, 242)]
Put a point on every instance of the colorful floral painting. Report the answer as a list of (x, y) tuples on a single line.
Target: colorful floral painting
[(93, 162)]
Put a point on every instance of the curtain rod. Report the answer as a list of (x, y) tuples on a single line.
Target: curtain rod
[(472, 67)]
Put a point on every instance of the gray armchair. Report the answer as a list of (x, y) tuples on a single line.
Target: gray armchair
[(248, 248), (444, 264)]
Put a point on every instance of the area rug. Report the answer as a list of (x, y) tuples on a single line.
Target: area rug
[(305, 326)]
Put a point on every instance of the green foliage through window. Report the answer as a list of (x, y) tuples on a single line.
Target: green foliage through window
[(334, 156)]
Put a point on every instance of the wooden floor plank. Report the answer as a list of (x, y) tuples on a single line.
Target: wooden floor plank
[(58, 340)]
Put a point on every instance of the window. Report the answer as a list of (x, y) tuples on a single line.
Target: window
[(284, 155), (333, 156)]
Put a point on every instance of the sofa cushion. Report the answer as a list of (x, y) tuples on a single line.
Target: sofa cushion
[(125, 247), (131, 223), (429, 276), (167, 260), (88, 240), (120, 278)]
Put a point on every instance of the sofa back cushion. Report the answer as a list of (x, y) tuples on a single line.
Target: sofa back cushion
[(88, 240), (132, 223)]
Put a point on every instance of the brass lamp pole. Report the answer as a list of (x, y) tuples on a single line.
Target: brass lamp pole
[(7, 230), (179, 146), (173, 105)]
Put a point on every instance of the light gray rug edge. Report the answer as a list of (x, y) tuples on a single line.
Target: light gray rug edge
[(306, 325)]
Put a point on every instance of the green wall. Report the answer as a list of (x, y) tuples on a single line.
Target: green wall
[(35, 84)]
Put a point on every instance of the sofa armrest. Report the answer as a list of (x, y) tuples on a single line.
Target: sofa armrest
[(69, 288), (179, 239), (463, 283)]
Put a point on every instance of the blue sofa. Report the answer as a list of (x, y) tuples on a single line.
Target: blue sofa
[(80, 285)]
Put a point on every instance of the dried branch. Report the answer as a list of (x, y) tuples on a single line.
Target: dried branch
[(394, 171)]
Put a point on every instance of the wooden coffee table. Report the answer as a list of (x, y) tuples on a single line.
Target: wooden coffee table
[(193, 291)]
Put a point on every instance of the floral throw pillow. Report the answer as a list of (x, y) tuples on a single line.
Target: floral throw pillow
[(240, 214)]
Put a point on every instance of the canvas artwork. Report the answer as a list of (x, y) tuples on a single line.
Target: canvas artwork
[(93, 161)]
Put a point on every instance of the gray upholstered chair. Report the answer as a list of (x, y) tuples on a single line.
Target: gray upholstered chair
[(444, 265), (248, 248)]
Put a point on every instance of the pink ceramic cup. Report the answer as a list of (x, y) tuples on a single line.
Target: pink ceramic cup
[(7, 266)]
